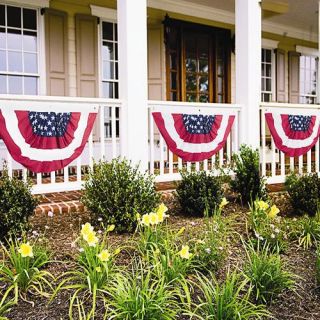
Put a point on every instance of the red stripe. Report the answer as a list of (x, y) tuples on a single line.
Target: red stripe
[(291, 152), (39, 142), (297, 135), (43, 166), (196, 138), (189, 156)]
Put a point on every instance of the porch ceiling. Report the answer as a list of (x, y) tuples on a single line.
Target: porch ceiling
[(301, 14)]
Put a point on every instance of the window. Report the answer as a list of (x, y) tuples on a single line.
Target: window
[(19, 52), (110, 78), (266, 75), (110, 87), (308, 74), (197, 62)]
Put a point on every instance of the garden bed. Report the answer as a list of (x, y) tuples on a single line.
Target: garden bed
[(61, 231)]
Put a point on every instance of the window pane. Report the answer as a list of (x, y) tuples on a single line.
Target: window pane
[(191, 83), (14, 39), (173, 81), (191, 65), (268, 84), (108, 89), (30, 63), (29, 19), (204, 84), (268, 55), (3, 84), (204, 98), (2, 38), (116, 91), (107, 51), (2, 16), (14, 17), (203, 65), (268, 70), (107, 31), (15, 84), (29, 41), (15, 61), (3, 61), (191, 98), (108, 72), (30, 85)]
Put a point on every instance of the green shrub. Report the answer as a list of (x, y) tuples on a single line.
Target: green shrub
[(318, 265), (199, 192), (16, 205), (247, 181), (229, 300), (266, 273), (304, 192), (116, 191)]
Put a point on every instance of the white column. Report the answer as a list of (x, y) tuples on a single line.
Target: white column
[(133, 87), (248, 68)]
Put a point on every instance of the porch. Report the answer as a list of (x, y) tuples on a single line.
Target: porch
[(144, 82)]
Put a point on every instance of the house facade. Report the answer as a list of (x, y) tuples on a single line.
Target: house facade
[(130, 58)]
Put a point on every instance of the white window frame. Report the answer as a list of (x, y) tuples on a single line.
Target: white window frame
[(271, 45), (311, 52), (35, 5)]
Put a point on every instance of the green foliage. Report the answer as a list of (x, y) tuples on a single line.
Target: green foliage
[(304, 192), (16, 205), (318, 265), (306, 230), (116, 191), (199, 192), (266, 273), (229, 300), (266, 226), (247, 181), (138, 295), (25, 274), (91, 274)]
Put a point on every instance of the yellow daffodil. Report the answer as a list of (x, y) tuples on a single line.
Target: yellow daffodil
[(273, 212), (184, 252), (86, 229), (223, 203), (146, 219), (138, 216), (117, 251), (161, 212), (26, 250), (111, 228), (91, 239), (262, 205), (154, 218), (98, 269), (104, 255)]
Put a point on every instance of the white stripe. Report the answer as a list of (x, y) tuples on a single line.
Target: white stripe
[(291, 143), (47, 154), (194, 147)]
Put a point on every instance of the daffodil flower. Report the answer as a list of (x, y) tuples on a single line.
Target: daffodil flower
[(184, 252), (145, 220), (111, 228), (223, 203), (98, 269), (91, 239), (273, 212), (26, 250), (161, 212), (104, 255), (86, 229), (262, 205), (154, 220)]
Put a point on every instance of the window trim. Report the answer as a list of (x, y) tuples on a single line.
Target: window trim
[(35, 5)]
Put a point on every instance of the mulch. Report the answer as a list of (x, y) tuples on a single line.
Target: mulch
[(62, 230)]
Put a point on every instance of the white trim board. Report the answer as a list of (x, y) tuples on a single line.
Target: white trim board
[(307, 51), (32, 3), (269, 44), (104, 13)]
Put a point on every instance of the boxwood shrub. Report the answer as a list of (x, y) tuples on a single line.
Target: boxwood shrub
[(116, 191)]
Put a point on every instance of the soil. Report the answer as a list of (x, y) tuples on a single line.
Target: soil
[(62, 230)]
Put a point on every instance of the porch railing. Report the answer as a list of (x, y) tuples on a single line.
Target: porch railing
[(275, 165), (164, 164), (103, 142)]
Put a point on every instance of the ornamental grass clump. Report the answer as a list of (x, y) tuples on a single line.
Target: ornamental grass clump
[(229, 300), (266, 273), (116, 191), (266, 226), (139, 295), (93, 270), (22, 270)]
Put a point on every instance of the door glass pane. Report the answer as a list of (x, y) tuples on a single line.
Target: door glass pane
[(203, 65), (204, 84), (191, 65), (173, 80), (191, 97), (15, 85), (191, 83), (204, 98)]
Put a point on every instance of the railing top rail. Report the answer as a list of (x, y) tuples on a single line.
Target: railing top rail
[(289, 105), (198, 105), (61, 99)]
